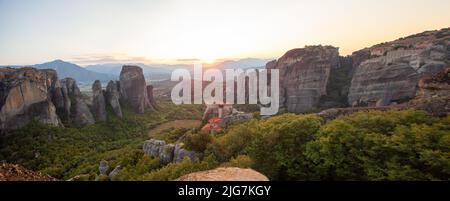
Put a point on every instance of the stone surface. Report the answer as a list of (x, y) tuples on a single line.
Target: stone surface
[(114, 172), (13, 172), (98, 101), (304, 74), (133, 88), (393, 70), (167, 152), (151, 99), (112, 95), (433, 95), (25, 96), (225, 174), (180, 154), (80, 115), (103, 167)]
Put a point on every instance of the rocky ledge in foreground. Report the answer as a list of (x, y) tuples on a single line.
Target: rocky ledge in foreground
[(11, 172), (225, 174)]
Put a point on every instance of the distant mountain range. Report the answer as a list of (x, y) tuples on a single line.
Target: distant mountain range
[(111, 71), (163, 71), (66, 69)]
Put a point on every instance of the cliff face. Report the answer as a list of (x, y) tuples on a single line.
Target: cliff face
[(391, 72), (133, 88), (24, 97), (304, 74)]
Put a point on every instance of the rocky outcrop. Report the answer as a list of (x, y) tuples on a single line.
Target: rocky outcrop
[(151, 99), (113, 96), (433, 95), (80, 115), (238, 117), (103, 167), (98, 101), (115, 172), (225, 174), (392, 72), (13, 172), (133, 88), (167, 152), (25, 96), (304, 74)]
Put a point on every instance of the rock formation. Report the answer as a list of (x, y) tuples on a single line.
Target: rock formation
[(133, 88), (433, 95), (103, 167), (225, 174), (151, 99), (112, 97), (304, 75), (167, 152), (393, 70), (98, 101), (80, 115), (13, 172), (25, 96)]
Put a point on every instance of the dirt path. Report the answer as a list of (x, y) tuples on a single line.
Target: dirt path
[(174, 124)]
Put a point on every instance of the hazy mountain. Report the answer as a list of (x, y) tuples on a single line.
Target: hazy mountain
[(163, 71), (242, 63), (66, 69)]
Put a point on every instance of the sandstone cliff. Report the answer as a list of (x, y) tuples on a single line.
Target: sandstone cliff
[(304, 74), (133, 88), (391, 71), (98, 101), (25, 96), (112, 97)]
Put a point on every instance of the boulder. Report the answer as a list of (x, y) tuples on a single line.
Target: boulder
[(103, 167), (112, 97), (167, 152), (98, 101), (180, 154), (114, 172), (133, 88), (225, 174)]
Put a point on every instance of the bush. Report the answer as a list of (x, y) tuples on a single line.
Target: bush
[(197, 141), (176, 170), (241, 161), (393, 145), (234, 141), (280, 143)]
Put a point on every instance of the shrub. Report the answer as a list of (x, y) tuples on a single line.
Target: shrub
[(393, 145), (280, 143), (241, 161)]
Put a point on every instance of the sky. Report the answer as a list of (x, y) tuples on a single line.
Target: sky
[(183, 31)]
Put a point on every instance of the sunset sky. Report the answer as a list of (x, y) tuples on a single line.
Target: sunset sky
[(183, 31)]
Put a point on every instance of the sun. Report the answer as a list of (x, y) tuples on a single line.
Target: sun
[(210, 60)]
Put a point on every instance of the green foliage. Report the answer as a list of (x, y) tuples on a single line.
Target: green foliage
[(280, 142), (176, 170), (241, 161), (393, 145), (234, 142), (197, 141), (66, 152)]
